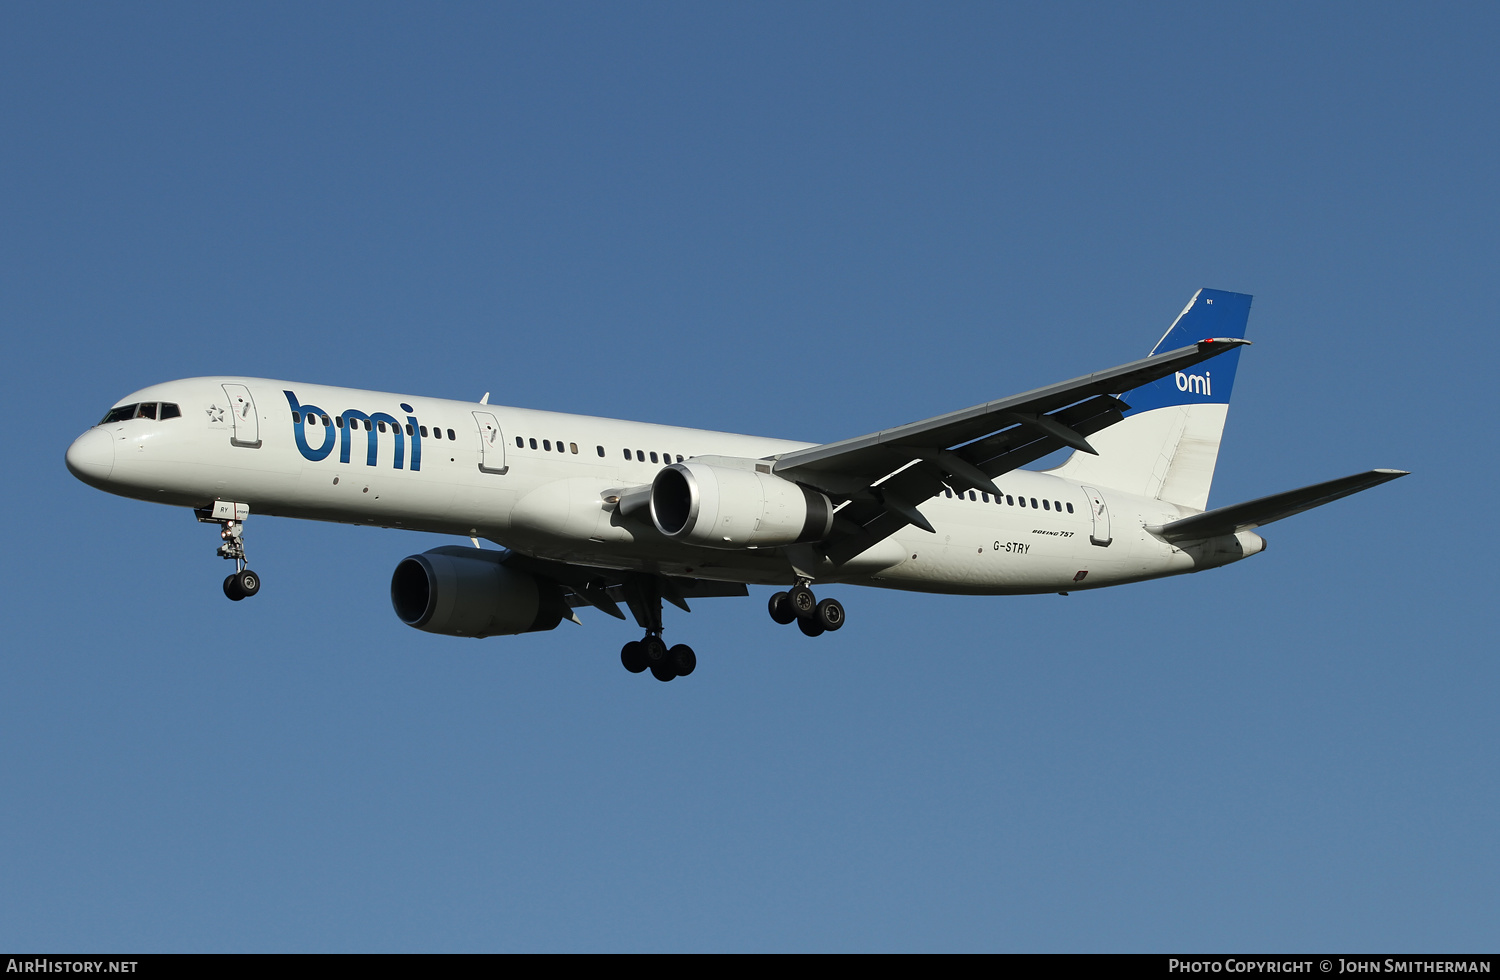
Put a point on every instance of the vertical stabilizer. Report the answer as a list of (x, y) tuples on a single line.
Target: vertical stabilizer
[(1168, 443)]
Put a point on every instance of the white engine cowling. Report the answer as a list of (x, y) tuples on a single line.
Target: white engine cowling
[(467, 592), (729, 507)]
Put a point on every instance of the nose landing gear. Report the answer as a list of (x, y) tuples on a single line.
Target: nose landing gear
[(242, 583)]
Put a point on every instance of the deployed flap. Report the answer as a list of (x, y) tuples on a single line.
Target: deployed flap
[(1254, 513)]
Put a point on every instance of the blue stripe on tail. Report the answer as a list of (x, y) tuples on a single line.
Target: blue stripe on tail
[(1211, 313)]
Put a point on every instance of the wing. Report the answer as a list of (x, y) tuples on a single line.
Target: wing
[(880, 478), (606, 588)]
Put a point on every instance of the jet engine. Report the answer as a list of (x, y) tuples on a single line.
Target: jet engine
[(720, 506), (467, 592)]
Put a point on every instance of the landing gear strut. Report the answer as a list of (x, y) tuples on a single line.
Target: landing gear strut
[(230, 516), (643, 595), (799, 605)]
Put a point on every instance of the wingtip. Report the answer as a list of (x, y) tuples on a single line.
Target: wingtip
[(1393, 473), (1225, 341)]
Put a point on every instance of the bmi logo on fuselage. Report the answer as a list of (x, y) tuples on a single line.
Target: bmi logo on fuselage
[(341, 428)]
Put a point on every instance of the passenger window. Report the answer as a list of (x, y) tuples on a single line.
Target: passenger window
[(338, 421), (1057, 506), (640, 457), (1033, 501), (1046, 505), (601, 451), (973, 496), (382, 426), (170, 411), (679, 459), (1070, 508), (984, 498), (296, 418), (408, 427), (451, 435), (533, 443), (1023, 501), (1010, 501), (560, 447), (627, 454), (437, 433), (653, 457), (573, 448), (520, 443), (368, 426), (327, 422), (948, 493), (547, 445), (422, 429)]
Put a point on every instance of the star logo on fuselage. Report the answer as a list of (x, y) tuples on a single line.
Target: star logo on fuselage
[(215, 413)]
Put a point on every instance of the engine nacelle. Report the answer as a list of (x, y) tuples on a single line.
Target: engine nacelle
[(727, 507), (467, 592)]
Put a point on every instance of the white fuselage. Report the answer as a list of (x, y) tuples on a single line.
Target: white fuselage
[(495, 479)]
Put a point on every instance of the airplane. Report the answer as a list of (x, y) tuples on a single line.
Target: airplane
[(595, 512)]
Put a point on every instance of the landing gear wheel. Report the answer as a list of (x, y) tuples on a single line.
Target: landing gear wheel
[(662, 671), (232, 587), (780, 608), (682, 659), (633, 657), (655, 652), (829, 614), (247, 582), (802, 601), (811, 627)]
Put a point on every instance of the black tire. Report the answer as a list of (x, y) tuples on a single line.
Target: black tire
[(802, 601), (655, 652), (633, 657), (683, 659), (810, 626), (663, 671), (780, 608), (830, 614), (232, 588), (248, 581)]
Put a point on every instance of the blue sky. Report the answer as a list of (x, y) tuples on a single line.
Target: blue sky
[(810, 221)]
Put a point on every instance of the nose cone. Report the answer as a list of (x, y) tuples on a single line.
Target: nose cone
[(91, 458)]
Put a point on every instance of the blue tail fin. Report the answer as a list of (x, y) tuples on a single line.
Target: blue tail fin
[(1168, 443)]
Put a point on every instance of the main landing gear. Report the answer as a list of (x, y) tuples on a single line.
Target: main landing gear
[(812, 617), (643, 595), (242, 583), (653, 654)]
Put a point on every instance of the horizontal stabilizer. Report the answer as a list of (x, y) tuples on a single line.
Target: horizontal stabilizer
[(1254, 513)]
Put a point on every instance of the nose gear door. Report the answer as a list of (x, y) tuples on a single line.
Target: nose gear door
[(491, 444), (1100, 510), (246, 419)]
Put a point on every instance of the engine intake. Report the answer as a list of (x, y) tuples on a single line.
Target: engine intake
[(466, 592), (728, 507)]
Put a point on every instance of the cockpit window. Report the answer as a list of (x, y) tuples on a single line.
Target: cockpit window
[(119, 414), (142, 410)]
